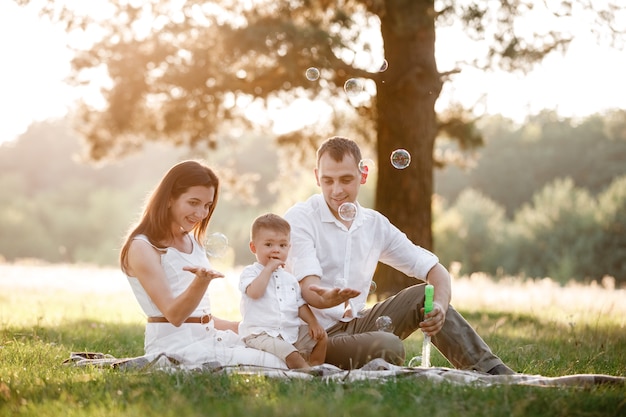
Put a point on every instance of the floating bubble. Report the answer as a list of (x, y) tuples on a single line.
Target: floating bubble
[(366, 166), (384, 324), (400, 158), (384, 66), (373, 287), (216, 245), (415, 361), (340, 283), (357, 309), (347, 211), (353, 87), (312, 74)]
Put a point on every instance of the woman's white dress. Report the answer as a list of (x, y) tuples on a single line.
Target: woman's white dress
[(193, 343)]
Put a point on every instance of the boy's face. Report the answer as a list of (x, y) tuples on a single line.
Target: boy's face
[(340, 181), (269, 244)]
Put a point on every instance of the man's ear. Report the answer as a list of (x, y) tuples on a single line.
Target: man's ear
[(364, 175), (317, 178)]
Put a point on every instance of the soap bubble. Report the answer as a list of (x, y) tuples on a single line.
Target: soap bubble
[(366, 166), (415, 361), (347, 211), (373, 287), (357, 309), (400, 158), (312, 74), (216, 245), (353, 87), (384, 324), (384, 66), (340, 282)]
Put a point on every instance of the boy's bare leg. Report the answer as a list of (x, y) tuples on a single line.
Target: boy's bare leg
[(295, 361), (318, 354)]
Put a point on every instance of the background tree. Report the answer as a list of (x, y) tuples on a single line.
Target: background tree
[(182, 71)]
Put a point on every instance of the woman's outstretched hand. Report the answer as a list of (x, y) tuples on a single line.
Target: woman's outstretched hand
[(208, 274)]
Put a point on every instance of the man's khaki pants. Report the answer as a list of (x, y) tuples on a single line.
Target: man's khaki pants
[(353, 344)]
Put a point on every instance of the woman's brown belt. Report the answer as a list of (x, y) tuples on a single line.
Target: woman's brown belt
[(202, 319)]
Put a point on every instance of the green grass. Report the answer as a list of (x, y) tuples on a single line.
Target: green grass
[(39, 329)]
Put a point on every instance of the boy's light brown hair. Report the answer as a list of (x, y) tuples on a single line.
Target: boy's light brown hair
[(269, 221)]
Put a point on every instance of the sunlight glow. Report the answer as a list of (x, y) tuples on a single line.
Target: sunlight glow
[(35, 61), (585, 81)]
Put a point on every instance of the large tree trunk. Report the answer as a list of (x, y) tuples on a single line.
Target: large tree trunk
[(407, 92)]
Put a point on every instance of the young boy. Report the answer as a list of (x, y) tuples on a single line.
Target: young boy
[(271, 302)]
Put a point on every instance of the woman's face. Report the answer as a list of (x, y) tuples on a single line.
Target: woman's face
[(191, 207)]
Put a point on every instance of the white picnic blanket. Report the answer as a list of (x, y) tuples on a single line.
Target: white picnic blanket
[(377, 369)]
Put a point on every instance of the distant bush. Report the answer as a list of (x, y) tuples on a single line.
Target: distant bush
[(610, 250), (471, 232), (565, 234), (555, 236)]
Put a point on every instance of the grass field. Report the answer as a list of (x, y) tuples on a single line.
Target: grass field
[(535, 326)]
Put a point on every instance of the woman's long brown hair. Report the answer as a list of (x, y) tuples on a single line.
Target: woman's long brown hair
[(155, 220)]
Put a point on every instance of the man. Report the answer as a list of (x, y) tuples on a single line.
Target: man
[(328, 249)]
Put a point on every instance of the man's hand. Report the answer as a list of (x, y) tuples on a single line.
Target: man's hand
[(334, 296), (433, 321)]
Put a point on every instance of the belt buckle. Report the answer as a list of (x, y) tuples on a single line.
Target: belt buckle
[(205, 319)]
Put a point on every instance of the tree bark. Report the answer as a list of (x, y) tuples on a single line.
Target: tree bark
[(407, 93)]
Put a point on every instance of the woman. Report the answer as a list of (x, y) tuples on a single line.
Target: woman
[(169, 273)]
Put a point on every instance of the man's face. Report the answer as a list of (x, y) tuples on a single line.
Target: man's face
[(339, 181)]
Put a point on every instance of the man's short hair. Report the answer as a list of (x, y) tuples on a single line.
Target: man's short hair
[(337, 147)]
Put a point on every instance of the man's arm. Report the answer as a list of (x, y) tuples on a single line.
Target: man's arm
[(439, 277), (321, 297)]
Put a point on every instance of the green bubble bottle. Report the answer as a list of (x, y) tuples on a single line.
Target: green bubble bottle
[(429, 293)]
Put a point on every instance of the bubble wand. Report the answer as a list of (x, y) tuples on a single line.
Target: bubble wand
[(429, 293)]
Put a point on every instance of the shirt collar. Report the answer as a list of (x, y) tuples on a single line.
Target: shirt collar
[(327, 216)]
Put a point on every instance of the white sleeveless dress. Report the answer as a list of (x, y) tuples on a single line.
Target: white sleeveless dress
[(193, 343)]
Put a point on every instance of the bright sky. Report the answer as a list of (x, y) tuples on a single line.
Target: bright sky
[(588, 80)]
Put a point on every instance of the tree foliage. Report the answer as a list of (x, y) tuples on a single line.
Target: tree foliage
[(519, 160), (183, 71)]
